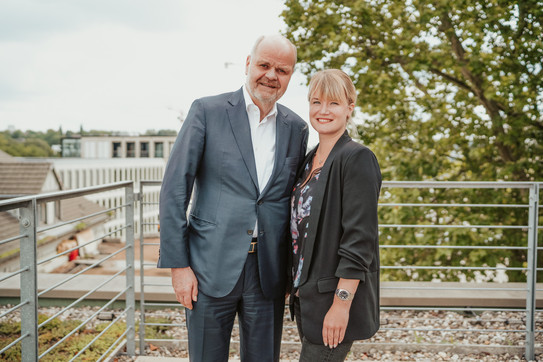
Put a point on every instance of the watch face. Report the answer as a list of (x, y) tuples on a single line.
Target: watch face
[(343, 294)]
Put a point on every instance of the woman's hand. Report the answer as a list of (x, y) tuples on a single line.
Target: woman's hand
[(335, 323)]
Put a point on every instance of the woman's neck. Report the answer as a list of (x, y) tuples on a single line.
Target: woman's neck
[(326, 143)]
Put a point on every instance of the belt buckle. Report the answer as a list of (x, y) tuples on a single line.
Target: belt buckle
[(252, 249)]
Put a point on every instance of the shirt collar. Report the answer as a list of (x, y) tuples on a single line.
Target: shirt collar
[(250, 104)]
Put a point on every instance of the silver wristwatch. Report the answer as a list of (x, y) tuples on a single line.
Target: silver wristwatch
[(344, 294)]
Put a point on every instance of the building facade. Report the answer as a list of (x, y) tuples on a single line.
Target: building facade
[(77, 173), (117, 146)]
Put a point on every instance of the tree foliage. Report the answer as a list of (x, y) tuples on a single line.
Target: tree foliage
[(22, 146), (448, 90)]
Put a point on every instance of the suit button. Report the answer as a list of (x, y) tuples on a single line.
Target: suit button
[(260, 202), (250, 232)]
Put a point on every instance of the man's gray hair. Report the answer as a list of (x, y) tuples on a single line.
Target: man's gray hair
[(285, 39)]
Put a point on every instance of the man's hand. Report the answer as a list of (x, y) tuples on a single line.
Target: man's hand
[(185, 285)]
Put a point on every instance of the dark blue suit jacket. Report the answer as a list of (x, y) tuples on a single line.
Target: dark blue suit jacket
[(214, 152)]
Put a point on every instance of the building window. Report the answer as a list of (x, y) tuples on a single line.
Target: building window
[(71, 147), (144, 149), (130, 149), (159, 149), (117, 151)]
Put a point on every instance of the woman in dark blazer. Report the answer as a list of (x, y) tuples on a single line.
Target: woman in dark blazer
[(335, 248)]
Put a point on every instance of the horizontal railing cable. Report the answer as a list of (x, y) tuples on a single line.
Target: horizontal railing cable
[(164, 324), (468, 247), (22, 201), (14, 308), (432, 329), (452, 309), (435, 226), (476, 320), (456, 288), (12, 274), (14, 342), (13, 238), (416, 267), (71, 221), (390, 204), (457, 184), (156, 285), (177, 305)]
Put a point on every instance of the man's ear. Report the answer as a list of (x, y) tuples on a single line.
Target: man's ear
[(247, 63)]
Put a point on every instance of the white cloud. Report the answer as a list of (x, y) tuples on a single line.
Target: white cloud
[(125, 65)]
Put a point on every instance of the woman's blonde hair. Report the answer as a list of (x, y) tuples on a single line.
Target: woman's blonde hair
[(333, 84)]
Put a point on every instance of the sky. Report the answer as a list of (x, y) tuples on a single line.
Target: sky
[(126, 65)]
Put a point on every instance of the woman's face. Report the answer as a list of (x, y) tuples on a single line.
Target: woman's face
[(329, 117)]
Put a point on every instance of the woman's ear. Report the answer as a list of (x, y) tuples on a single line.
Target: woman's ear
[(351, 109)]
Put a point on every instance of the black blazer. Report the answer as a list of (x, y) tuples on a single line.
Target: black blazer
[(344, 242)]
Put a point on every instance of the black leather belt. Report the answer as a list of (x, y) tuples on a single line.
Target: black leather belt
[(252, 248)]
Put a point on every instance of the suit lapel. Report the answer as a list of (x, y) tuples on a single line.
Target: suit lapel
[(239, 121), (316, 203), (282, 136)]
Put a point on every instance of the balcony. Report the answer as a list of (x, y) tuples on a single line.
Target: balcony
[(411, 307)]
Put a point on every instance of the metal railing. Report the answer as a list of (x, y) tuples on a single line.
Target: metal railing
[(146, 223), (431, 229), (529, 227), (391, 198), (30, 291)]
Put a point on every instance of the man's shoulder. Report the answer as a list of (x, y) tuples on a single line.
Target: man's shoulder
[(291, 116), (218, 98)]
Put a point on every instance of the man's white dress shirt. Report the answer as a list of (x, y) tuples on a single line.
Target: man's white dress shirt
[(263, 140)]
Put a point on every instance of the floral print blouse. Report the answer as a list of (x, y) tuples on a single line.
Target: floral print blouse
[(300, 206)]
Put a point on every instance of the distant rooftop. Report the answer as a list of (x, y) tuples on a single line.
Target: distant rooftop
[(4, 155), (22, 178), (18, 178)]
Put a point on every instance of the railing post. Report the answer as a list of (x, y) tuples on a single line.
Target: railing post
[(130, 284), (532, 271), (29, 284), (142, 273)]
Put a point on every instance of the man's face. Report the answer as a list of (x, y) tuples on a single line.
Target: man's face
[(268, 71)]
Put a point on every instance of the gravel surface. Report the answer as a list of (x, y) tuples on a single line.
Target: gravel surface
[(478, 336)]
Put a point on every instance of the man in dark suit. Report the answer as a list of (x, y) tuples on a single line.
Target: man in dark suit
[(228, 256)]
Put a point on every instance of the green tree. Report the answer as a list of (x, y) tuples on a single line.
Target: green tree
[(24, 147), (448, 90), (52, 137)]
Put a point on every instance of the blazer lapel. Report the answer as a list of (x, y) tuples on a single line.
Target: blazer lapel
[(282, 136), (239, 121), (316, 203)]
